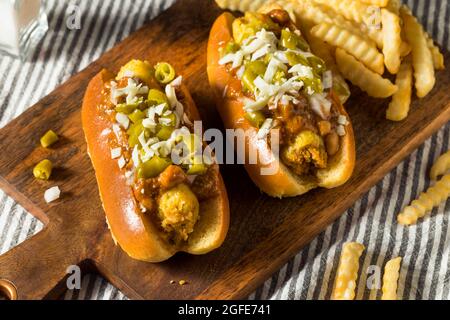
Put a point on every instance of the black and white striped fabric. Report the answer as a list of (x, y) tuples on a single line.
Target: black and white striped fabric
[(425, 248)]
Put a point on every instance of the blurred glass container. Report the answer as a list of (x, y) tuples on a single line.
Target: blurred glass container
[(23, 23)]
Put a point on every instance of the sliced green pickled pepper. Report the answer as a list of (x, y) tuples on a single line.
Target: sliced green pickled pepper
[(43, 170), (252, 71), (164, 72), (136, 116), (156, 97), (256, 118), (153, 167), (165, 132), (317, 64), (49, 138)]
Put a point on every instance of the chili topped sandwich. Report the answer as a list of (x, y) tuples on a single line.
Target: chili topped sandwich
[(265, 77)]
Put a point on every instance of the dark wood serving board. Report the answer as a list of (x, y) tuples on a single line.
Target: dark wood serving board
[(264, 232)]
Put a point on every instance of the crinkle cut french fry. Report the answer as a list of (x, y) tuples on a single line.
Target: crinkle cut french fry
[(308, 12), (378, 3), (369, 81), (392, 40), (241, 5), (399, 107), (405, 49), (390, 279), (426, 202), (317, 12), (422, 58), (374, 34), (441, 166), (438, 57), (349, 9), (363, 49), (324, 51), (347, 273)]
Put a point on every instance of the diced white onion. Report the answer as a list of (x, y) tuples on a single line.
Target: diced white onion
[(340, 130), (327, 79), (320, 105), (149, 123), (52, 194), (179, 110), (144, 143), (116, 130), (135, 156), (121, 162), (116, 152), (342, 120), (130, 91), (123, 120)]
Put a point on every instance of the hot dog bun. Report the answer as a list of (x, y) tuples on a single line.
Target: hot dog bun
[(132, 229), (284, 183)]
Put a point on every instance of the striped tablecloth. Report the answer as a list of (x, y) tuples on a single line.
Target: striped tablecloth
[(425, 248)]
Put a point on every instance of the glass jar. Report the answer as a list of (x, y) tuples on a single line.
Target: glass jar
[(23, 23)]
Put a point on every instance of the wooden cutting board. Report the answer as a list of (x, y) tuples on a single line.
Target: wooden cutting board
[(264, 232)]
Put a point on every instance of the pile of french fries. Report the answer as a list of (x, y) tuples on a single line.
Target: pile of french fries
[(368, 42)]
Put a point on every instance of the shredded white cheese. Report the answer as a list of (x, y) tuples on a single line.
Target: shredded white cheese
[(265, 129), (272, 68), (186, 119), (171, 95), (123, 120), (302, 71), (227, 59), (237, 60), (240, 72), (130, 91)]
